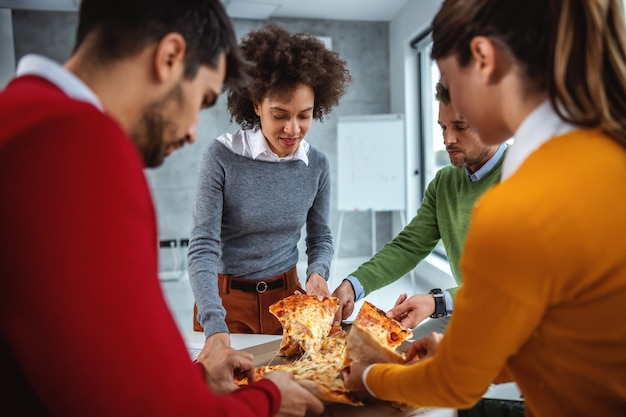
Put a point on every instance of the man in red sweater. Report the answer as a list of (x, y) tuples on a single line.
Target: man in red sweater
[(84, 328)]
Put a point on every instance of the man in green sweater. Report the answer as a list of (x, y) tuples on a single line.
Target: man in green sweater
[(444, 214)]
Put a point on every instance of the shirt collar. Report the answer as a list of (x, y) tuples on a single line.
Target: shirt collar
[(52, 71), (488, 166), (260, 149), (540, 125)]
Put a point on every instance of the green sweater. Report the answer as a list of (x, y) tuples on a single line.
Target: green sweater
[(444, 214)]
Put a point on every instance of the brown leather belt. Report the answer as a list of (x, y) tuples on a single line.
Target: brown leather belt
[(256, 286)]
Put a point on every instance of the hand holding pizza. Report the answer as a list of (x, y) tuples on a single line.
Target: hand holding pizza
[(317, 286), (413, 310), (222, 364), (295, 400), (345, 296), (424, 347), (353, 379)]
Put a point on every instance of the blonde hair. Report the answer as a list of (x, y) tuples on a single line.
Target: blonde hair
[(590, 66)]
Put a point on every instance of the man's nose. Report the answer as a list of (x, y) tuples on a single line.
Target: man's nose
[(448, 138), (190, 135)]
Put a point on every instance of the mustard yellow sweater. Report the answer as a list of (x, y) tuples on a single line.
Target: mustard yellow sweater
[(544, 293)]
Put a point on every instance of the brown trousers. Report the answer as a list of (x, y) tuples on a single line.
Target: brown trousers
[(247, 310)]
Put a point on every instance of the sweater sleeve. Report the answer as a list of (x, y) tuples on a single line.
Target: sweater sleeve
[(319, 240), (471, 355), (82, 308), (204, 242), (407, 249), (478, 342)]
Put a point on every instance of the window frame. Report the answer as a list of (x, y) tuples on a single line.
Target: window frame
[(429, 137)]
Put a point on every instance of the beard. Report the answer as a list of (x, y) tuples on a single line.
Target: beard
[(154, 127), (467, 162)]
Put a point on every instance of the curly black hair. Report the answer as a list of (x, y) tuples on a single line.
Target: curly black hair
[(281, 60)]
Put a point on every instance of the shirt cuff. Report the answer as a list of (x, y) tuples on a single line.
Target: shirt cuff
[(359, 291), (367, 370), (449, 301)]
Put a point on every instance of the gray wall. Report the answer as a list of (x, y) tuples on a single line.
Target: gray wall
[(7, 53), (364, 46)]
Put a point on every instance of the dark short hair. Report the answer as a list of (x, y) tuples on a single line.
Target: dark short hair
[(281, 60), (442, 94), (121, 28)]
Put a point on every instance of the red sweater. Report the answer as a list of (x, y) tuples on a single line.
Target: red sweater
[(84, 327)]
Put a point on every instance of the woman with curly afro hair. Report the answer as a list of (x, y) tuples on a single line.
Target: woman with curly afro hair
[(258, 187)]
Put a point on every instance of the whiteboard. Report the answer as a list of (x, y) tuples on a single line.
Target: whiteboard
[(371, 154)]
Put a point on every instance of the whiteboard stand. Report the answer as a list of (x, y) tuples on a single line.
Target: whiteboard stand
[(373, 228)]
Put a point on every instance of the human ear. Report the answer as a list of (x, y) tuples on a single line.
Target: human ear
[(257, 108), (169, 59), (485, 58)]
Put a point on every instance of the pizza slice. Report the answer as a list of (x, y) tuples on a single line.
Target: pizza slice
[(364, 347), (327, 385), (388, 331), (306, 322), (324, 350), (259, 373), (374, 337), (321, 374)]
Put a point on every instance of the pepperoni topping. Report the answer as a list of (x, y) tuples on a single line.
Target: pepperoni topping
[(280, 313), (394, 336)]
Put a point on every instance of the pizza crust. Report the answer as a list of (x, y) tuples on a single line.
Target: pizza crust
[(324, 393), (363, 346)]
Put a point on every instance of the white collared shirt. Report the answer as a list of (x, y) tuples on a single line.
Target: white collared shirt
[(52, 71), (253, 145), (539, 126)]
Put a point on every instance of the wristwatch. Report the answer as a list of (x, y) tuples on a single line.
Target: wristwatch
[(440, 303)]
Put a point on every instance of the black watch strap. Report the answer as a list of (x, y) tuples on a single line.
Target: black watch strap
[(440, 303)]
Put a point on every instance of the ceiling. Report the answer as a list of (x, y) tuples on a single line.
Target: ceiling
[(363, 10)]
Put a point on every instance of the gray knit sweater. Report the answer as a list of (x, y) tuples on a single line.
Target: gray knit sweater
[(247, 220)]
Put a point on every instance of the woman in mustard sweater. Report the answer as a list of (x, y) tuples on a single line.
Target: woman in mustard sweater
[(544, 264)]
